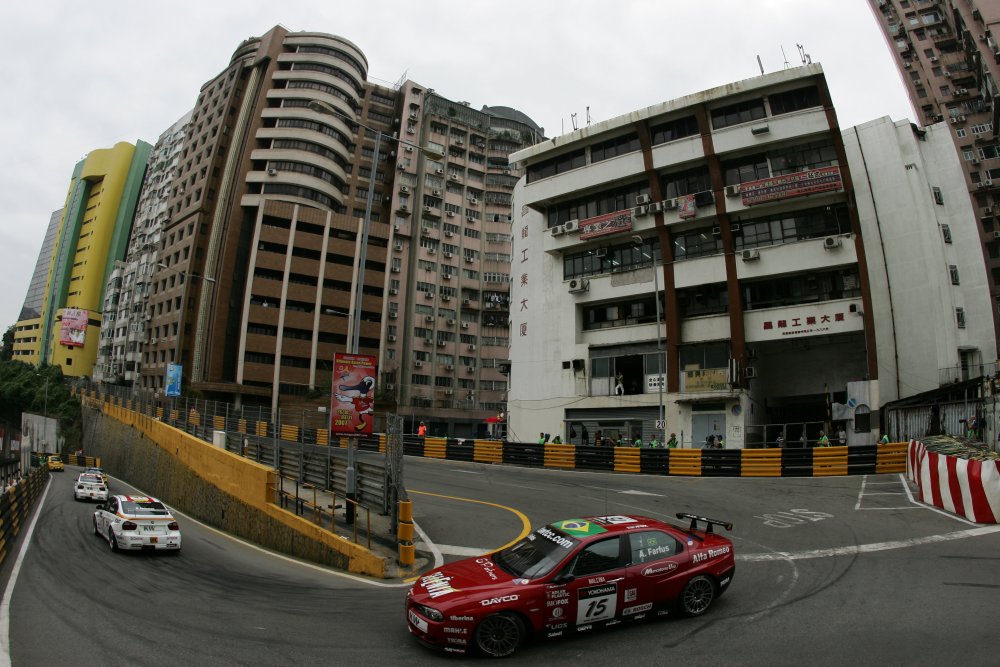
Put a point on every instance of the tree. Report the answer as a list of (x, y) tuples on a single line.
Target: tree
[(7, 348), (40, 390)]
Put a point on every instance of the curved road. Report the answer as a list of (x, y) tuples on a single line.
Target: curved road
[(845, 569)]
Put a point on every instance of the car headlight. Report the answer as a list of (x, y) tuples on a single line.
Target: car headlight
[(430, 613)]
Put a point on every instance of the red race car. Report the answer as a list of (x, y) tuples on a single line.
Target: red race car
[(571, 576)]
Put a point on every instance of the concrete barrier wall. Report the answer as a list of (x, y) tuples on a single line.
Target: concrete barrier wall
[(960, 486), (217, 487)]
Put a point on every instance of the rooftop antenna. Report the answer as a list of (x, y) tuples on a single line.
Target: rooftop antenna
[(760, 65), (588, 115), (784, 57), (572, 118), (806, 58)]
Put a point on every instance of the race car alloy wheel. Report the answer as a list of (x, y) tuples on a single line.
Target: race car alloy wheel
[(697, 596), (112, 540), (499, 635)]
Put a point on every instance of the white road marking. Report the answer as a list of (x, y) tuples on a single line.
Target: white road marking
[(9, 591), (640, 493), (452, 550), (869, 548), (435, 552), (920, 503)]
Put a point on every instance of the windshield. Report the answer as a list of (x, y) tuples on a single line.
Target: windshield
[(149, 508), (537, 554)]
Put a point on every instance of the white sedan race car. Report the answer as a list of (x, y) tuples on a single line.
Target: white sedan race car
[(137, 522), (90, 487)]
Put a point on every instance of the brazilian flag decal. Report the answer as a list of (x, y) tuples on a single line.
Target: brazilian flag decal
[(579, 527)]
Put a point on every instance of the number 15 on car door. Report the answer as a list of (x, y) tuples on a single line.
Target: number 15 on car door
[(597, 603)]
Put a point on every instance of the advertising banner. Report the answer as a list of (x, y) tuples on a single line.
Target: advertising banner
[(791, 185), (609, 223), (74, 327), (353, 397), (172, 386)]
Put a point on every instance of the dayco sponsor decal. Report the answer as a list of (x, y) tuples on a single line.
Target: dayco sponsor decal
[(499, 600), (487, 566), (437, 584), (657, 569), (467, 619), (628, 611), (564, 542)]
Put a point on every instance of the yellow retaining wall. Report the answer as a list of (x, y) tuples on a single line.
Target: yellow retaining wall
[(487, 451), (627, 459), (245, 480), (435, 448), (685, 462), (560, 456), (760, 463), (829, 461), (891, 457)]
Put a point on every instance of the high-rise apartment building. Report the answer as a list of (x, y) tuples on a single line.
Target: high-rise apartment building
[(732, 263), (29, 324), (258, 267), (949, 59), (123, 330), (92, 234)]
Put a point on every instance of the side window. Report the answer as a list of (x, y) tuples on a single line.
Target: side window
[(113, 505), (598, 557), (652, 545)]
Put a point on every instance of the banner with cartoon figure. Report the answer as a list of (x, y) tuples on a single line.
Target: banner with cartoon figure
[(74, 327), (353, 403)]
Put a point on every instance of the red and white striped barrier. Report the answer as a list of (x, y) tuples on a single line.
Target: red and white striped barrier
[(967, 488)]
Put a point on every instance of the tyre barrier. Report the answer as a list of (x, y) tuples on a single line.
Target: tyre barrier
[(961, 486), (787, 462), (16, 503)]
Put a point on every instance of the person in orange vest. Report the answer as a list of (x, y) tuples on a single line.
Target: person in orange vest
[(422, 429)]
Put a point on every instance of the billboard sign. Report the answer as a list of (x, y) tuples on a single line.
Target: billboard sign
[(609, 223), (173, 383), (73, 332), (791, 185), (352, 404)]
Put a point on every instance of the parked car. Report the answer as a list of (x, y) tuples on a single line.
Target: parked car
[(572, 576), (137, 522)]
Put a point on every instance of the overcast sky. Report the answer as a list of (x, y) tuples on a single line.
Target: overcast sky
[(81, 76)]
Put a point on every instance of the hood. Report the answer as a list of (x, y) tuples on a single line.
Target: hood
[(472, 578)]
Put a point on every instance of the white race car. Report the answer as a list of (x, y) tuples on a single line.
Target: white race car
[(90, 487), (137, 522)]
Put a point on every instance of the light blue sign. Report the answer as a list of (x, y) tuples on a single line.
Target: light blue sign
[(173, 384)]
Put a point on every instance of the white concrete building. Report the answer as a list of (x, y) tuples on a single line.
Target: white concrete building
[(773, 322)]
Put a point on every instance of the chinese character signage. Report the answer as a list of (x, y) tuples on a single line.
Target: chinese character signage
[(172, 387), (353, 404), (74, 327), (609, 223), (686, 207), (791, 185)]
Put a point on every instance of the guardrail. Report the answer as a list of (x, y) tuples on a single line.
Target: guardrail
[(16, 502), (787, 462)]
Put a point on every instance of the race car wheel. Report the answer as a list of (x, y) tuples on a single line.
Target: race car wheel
[(112, 540), (697, 596), (499, 635)]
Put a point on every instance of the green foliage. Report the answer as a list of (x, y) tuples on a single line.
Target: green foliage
[(7, 347), (43, 391)]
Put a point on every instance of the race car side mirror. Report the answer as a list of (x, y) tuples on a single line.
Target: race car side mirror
[(563, 578)]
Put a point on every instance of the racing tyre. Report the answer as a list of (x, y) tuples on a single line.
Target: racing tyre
[(112, 540), (499, 635), (697, 596)]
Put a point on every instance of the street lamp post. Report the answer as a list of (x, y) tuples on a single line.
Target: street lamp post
[(661, 419), (354, 323)]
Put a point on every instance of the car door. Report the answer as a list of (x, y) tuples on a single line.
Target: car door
[(594, 591), (104, 517), (655, 574)]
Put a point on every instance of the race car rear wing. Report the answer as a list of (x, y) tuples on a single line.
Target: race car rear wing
[(708, 522)]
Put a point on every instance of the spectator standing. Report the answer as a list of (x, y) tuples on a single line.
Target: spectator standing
[(842, 436), (823, 441), (619, 384), (422, 429), (672, 443)]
